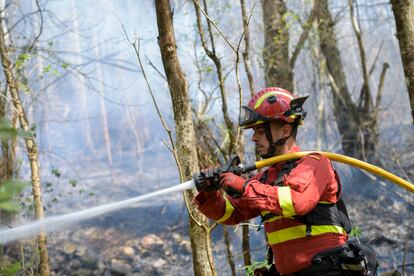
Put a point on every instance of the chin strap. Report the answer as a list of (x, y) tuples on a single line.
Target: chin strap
[(272, 145)]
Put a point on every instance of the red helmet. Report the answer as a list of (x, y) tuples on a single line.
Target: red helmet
[(272, 104)]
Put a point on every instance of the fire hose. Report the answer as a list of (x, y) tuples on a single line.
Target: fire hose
[(234, 165)]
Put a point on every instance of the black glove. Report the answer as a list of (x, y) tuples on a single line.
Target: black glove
[(207, 180)]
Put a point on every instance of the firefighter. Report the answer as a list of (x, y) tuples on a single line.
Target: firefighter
[(305, 220)]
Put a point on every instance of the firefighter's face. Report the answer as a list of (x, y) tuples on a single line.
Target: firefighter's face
[(260, 140), (262, 143)]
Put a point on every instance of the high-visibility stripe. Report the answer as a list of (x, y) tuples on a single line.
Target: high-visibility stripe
[(274, 218), (285, 201), (264, 213), (298, 232), (270, 219), (266, 95), (227, 213)]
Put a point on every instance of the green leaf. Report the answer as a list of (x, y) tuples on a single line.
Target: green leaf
[(65, 65), (11, 270), (355, 232), (47, 68), (7, 133), (10, 188), (73, 182), (56, 172), (10, 206)]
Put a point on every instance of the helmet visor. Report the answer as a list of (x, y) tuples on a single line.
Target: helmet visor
[(249, 117)]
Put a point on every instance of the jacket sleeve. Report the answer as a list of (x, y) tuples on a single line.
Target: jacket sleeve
[(223, 209), (311, 181)]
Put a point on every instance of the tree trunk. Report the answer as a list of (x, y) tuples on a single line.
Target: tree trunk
[(31, 151), (404, 20), (185, 137), (104, 115), (227, 241), (356, 128), (276, 48)]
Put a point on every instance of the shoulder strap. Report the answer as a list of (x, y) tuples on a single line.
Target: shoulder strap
[(286, 168)]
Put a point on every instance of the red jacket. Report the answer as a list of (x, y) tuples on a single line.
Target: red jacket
[(312, 181)]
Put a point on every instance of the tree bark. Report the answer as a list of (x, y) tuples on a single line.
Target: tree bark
[(404, 20), (276, 48), (227, 241), (356, 126), (32, 150), (185, 137)]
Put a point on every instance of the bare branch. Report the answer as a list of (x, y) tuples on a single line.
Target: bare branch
[(305, 33), (246, 59), (216, 60), (366, 97), (372, 68), (215, 26), (385, 66), (39, 10), (156, 69)]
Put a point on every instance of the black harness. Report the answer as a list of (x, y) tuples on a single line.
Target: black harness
[(322, 214), (353, 257)]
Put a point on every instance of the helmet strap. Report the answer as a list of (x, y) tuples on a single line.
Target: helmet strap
[(272, 145)]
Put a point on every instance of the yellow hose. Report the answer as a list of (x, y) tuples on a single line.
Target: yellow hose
[(343, 159)]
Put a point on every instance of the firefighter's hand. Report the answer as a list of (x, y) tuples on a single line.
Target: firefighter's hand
[(234, 185), (207, 180)]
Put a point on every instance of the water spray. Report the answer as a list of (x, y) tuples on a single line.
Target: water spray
[(234, 165)]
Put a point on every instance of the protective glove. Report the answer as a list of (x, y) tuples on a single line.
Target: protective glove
[(207, 180), (234, 185)]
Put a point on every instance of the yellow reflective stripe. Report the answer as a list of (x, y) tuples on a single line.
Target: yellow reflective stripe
[(297, 232), (272, 218), (285, 201), (264, 96), (325, 202), (227, 213)]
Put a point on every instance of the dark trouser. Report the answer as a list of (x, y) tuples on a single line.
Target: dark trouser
[(352, 259)]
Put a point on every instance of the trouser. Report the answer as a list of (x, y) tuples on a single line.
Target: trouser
[(352, 259)]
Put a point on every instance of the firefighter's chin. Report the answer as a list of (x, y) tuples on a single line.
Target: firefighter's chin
[(260, 151)]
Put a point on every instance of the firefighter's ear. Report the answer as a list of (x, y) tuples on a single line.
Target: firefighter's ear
[(287, 131)]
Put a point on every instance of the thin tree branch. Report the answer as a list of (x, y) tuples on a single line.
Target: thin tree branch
[(215, 26), (385, 66), (39, 10), (366, 97), (305, 33), (371, 70), (245, 54)]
